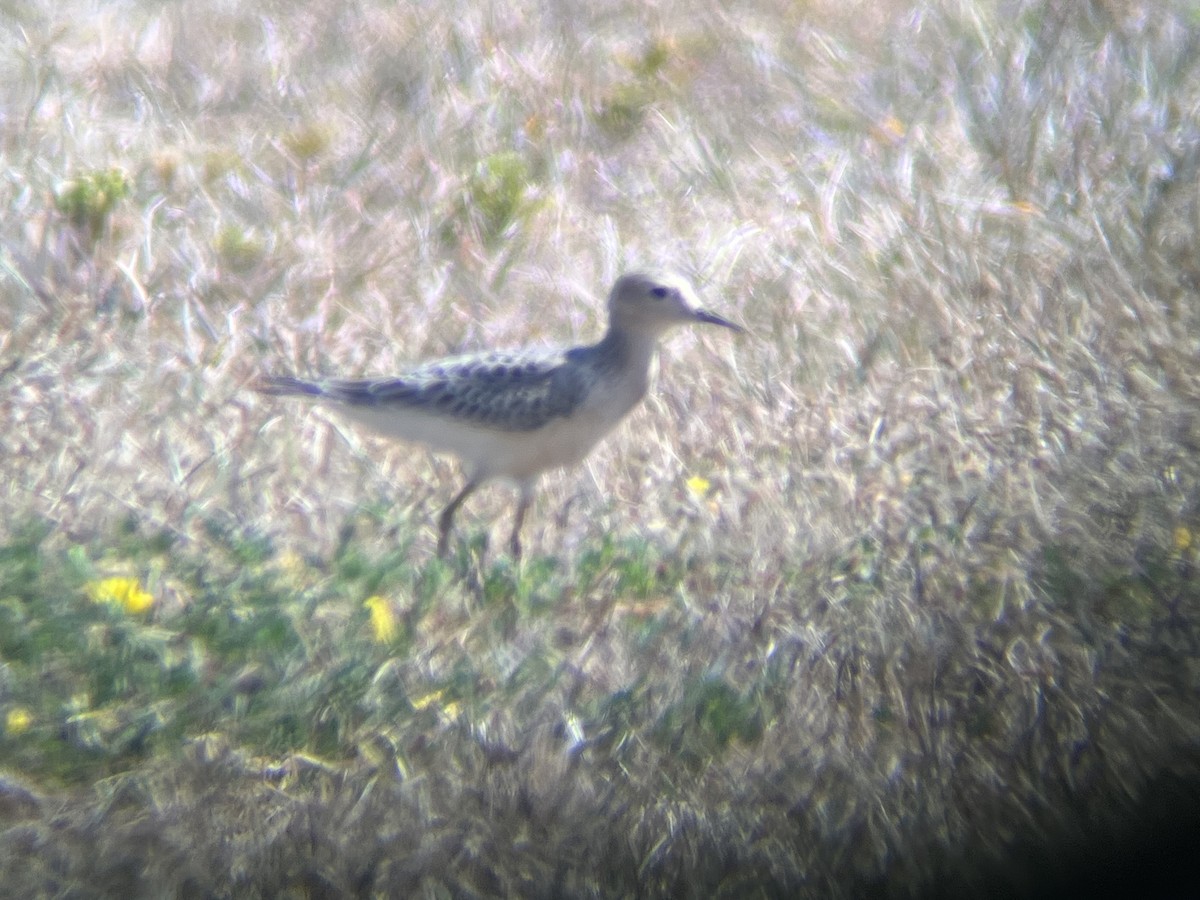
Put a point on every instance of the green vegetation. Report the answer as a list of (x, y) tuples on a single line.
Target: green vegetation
[(897, 595), (259, 648), (88, 200), (624, 104), (497, 193)]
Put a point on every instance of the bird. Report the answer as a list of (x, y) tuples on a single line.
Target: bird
[(514, 414)]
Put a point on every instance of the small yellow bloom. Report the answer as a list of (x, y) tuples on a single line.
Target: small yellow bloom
[(383, 619), (18, 720), (893, 128), (1183, 537), (427, 700), (447, 712), (699, 486), (126, 593)]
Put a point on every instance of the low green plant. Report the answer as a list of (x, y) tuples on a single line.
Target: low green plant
[(499, 195), (89, 199)]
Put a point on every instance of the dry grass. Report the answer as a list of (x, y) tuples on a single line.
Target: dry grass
[(935, 621)]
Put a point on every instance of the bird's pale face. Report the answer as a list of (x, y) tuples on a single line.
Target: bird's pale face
[(656, 301)]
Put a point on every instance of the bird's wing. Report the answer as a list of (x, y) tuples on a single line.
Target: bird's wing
[(506, 391)]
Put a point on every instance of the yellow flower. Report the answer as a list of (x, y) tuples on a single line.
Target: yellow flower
[(18, 720), (427, 700), (126, 593), (699, 486), (446, 712), (892, 128), (383, 619), (1183, 537)]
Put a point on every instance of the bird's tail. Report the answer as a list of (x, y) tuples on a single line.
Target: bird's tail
[(282, 385)]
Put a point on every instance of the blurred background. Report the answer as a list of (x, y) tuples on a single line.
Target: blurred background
[(896, 594)]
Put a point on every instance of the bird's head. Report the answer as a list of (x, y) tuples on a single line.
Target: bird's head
[(654, 301)]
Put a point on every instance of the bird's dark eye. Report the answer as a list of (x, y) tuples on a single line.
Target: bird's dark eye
[(658, 292)]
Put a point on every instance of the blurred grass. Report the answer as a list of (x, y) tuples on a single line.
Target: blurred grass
[(896, 597)]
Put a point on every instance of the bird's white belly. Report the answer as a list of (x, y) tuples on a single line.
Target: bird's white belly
[(522, 455), (491, 453)]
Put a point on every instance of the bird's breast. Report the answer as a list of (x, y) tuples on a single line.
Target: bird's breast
[(566, 440)]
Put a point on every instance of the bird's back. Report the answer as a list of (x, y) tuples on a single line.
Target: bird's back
[(498, 391), (452, 404)]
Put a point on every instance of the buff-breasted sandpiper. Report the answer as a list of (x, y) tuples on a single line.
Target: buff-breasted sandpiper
[(516, 414)]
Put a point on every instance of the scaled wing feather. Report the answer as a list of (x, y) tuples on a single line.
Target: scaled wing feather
[(512, 392)]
